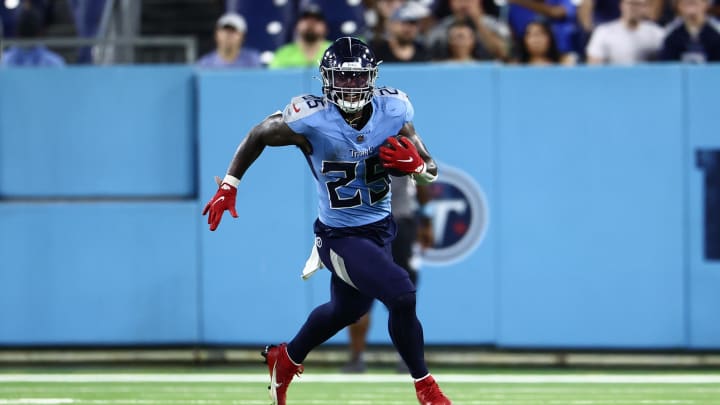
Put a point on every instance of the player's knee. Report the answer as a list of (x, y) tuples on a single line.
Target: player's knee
[(349, 316), (346, 317), (403, 302)]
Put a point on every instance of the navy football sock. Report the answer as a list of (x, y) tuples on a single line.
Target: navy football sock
[(407, 334)]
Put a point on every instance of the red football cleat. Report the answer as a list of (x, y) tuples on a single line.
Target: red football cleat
[(428, 392), (282, 370)]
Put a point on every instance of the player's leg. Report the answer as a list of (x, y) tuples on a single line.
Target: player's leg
[(402, 245), (402, 252), (370, 269), (345, 307), (407, 336), (358, 342)]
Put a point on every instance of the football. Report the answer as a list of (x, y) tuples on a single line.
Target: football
[(391, 171)]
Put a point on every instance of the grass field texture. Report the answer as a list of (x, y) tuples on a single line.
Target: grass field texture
[(176, 387)]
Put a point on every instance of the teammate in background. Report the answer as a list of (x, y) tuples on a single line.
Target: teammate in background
[(412, 228), (342, 135), (229, 36)]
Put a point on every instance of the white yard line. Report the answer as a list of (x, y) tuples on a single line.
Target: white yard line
[(369, 378), (62, 401), (36, 401)]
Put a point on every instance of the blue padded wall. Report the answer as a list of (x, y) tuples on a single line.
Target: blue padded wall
[(594, 210), (97, 132), (88, 273), (703, 274), (591, 207), (251, 265)]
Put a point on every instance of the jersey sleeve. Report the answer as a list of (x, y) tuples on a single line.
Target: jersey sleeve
[(398, 101), (409, 109), (299, 111)]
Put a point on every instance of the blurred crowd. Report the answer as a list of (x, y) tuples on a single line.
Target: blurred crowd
[(28, 20), (525, 32), (528, 32)]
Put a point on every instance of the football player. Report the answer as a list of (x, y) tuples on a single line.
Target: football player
[(349, 138)]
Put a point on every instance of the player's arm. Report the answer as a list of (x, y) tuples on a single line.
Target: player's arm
[(273, 131), (548, 10), (430, 173), (410, 157)]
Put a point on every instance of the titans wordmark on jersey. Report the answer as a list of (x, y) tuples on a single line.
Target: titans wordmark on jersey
[(352, 185)]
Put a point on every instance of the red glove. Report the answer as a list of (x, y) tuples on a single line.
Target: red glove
[(223, 200), (401, 154)]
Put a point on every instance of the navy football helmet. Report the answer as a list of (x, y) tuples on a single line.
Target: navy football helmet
[(348, 70)]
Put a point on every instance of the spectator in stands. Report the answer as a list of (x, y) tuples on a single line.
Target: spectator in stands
[(592, 13), (378, 17), (493, 36), (441, 8), (560, 14), (585, 17), (662, 12), (401, 44), (87, 16), (694, 37), (462, 42), (537, 46), (629, 40), (229, 53), (586, 24), (595, 12), (29, 26), (310, 42)]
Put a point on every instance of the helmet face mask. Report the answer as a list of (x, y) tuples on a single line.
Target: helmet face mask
[(348, 72)]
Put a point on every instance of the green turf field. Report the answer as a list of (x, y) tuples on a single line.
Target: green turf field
[(480, 388)]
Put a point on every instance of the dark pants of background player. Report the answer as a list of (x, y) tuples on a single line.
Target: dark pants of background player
[(362, 255), (402, 246)]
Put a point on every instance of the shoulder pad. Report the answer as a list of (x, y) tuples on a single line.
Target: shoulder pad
[(390, 92), (303, 106)]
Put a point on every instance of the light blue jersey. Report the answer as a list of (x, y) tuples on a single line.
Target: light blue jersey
[(352, 185)]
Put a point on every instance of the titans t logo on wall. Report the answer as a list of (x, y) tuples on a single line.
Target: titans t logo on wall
[(708, 160), (459, 212)]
